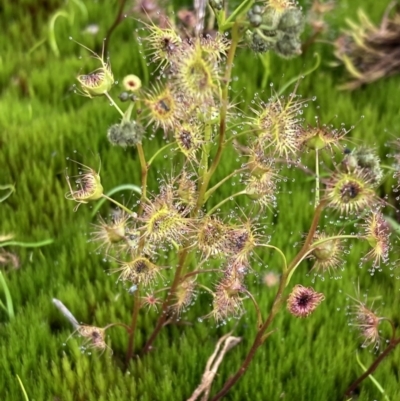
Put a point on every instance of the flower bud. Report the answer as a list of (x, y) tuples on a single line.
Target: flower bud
[(291, 22), (124, 96), (139, 271), (128, 133), (288, 46), (367, 160), (255, 19), (257, 43), (271, 18)]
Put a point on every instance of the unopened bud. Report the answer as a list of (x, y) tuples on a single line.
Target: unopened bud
[(291, 22), (128, 133), (288, 46), (124, 96)]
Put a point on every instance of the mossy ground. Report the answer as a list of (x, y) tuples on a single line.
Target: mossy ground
[(42, 122)]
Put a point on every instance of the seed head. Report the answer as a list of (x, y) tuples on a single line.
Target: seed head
[(262, 190), (260, 42), (259, 162), (288, 46), (162, 107), (227, 300), (196, 74), (186, 191), (212, 237), (377, 233), (350, 192), (318, 138), (367, 160), (291, 22), (164, 43), (184, 296), (188, 137), (327, 255), (89, 187), (303, 301), (279, 125), (367, 323), (241, 242), (140, 270), (164, 223), (113, 232), (95, 336), (127, 133), (214, 46)]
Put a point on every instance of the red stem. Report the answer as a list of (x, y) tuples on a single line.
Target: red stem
[(164, 312), (392, 345), (260, 337)]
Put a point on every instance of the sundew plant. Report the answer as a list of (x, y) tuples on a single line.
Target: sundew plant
[(176, 243)]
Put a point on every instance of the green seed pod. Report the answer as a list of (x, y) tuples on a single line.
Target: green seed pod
[(288, 46), (257, 9), (255, 16), (124, 96), (255, 19), (367, 160), (271, 18), (128, 133), (292, 22), (257, 43)]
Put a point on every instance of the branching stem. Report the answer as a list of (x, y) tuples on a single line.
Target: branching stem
[(392, 345), (165, 306), (276, 306)]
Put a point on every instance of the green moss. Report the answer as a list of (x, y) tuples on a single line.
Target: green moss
[(42, 123)]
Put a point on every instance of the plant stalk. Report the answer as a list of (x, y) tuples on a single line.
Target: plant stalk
[(392, 345), (222, 116), (260, 337), (164, 310)]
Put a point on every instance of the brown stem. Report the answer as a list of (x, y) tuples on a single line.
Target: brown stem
[(256, 344), (135, 314), (275, 307), (222, 119), (392, 345), (116, 22), (203, 187), (310, 235), (164, 311)]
